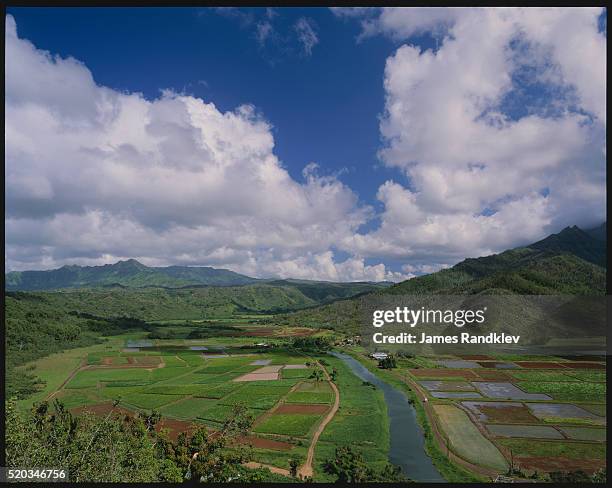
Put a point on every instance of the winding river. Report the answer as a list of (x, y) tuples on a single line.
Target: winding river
[(407, 442)]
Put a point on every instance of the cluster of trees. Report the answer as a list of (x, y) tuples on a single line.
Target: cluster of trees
[(312, 344), (578, 477), (349, 466), (118, 448), (388, 363)]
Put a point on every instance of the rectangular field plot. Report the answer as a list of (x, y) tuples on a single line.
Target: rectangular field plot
[(443, 374), (261, 402), (295, 366), (497, 365), (585, 433), (561, 411), (560, 451), (188, 408), (541, 376), (458, 364), (146, 401), (502, 412), (296, 425), (527, 431), (90, 377), (439, 385), (455, 394), (295, 373), (265, 373), (314, 409), (324, 397), (507, 391), (466, 440), (563, 390)]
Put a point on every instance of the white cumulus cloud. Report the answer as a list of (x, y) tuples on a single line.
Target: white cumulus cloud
[(94, 175)]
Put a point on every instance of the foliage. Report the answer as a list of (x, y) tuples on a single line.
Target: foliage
[(117, 448), (312, 344), (388, 363), (349, 466)]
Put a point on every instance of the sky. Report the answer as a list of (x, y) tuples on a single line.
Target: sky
[(337, 144)]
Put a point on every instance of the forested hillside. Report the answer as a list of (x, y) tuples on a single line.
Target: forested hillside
[(571, 262)]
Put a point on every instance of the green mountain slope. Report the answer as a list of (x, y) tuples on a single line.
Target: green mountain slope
[(571, 262)]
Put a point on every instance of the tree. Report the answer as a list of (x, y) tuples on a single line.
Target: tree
[(119, 447), (293, 467), (318, 375), (349, 466), (334, 374), (211, 462), (388, 363)]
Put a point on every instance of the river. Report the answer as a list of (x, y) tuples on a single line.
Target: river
[(407, 443)]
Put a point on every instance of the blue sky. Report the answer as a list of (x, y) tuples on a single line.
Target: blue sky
[(425, 143), (324, 107)]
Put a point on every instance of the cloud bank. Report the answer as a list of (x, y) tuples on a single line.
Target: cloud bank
[(498, 137), (500, 132)]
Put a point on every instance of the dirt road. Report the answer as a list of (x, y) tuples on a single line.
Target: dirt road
[(305, 470)]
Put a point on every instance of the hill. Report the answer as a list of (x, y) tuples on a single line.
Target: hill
[(128, 273), (571, 262)]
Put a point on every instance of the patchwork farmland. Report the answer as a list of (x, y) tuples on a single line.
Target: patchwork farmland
[(521, 416), (482, 416), (297, 414)]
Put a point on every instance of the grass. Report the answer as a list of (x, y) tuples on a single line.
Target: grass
[(295, 425), (295, 373), (261, 402), (148, 402), (188, 408), (588, 375), (562, 390), (77, 398), (466, 440), (220, 413), (310, 397), (540, 376)]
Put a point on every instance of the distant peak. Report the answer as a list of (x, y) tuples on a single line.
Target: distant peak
[(129, 263)]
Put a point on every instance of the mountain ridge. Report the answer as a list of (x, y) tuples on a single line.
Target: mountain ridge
[(551, 266), (131, 273)]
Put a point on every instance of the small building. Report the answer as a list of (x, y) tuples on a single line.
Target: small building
[(379, 356)]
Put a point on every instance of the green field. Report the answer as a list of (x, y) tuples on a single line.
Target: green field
[(466, 440), (562, 390), (187, 408), (293, 425)]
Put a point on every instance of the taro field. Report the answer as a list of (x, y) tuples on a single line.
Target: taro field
[(543, 414)]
